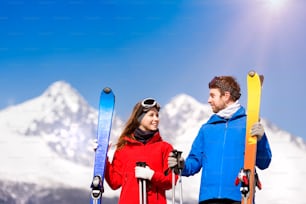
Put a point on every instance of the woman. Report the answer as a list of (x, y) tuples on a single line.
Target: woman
[(141, 141)]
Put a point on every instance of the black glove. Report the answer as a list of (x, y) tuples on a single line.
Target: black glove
[(176, 161)]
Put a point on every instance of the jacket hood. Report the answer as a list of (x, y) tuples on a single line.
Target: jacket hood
[(216, 119)]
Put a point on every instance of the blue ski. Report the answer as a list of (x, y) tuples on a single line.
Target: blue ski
[(106, 109)]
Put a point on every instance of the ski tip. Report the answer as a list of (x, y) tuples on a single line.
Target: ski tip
[(252, 73), (107, 90), (261, 77)]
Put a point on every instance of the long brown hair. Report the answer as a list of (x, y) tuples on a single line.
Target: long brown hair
[(130, 126)]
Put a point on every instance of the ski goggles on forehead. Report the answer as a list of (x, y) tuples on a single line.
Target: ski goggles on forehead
[(149, 103)]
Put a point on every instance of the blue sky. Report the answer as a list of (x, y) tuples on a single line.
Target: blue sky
[(143, 48)]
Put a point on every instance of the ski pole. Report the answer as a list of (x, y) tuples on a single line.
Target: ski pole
[(173, 186), (142, 186), (177, 170), (144, 191), (181, 187), (140, 191), (180, 168)]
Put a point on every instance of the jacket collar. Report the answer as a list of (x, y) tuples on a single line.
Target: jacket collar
[(156, 138), (215, 118)]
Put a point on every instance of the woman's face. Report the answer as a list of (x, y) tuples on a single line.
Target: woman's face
[(150, 120)]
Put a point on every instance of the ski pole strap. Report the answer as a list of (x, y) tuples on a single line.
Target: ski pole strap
[(167, 171)]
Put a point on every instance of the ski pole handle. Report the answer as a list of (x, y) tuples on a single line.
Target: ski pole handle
[(180, 165), (142, 164), (178, 157)]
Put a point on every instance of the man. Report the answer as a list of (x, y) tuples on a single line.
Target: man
[(219, 146)]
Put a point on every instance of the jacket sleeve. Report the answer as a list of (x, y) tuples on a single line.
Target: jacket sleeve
[(263, 154), (193, 163), (163, 179), (113, 174)]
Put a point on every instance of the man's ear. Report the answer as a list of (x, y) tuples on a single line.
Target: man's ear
[(227, 96)]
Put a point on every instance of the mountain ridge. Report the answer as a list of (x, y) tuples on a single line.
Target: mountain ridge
[(51, 142)]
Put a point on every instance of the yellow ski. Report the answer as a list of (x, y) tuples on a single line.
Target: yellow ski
[(254, 83)]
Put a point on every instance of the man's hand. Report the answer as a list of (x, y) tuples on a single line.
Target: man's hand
[(257, 130), (176, 162), (172, 160)]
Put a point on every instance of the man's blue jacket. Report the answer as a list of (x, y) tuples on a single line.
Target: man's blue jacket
[(218, 150)]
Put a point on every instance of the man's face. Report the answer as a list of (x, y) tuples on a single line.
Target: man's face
[(216, 100)]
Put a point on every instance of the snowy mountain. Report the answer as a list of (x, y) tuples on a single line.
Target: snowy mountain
[(46, 152), (61, 117), (46, 143)]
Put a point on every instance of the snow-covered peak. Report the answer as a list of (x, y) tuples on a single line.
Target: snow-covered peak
[(59, 87), (182, 113), (282, 136), (60, 116), (59, 104), (184, 102), (61, 93)]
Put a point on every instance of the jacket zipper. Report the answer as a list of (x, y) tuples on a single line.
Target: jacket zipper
[(221, 166)]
